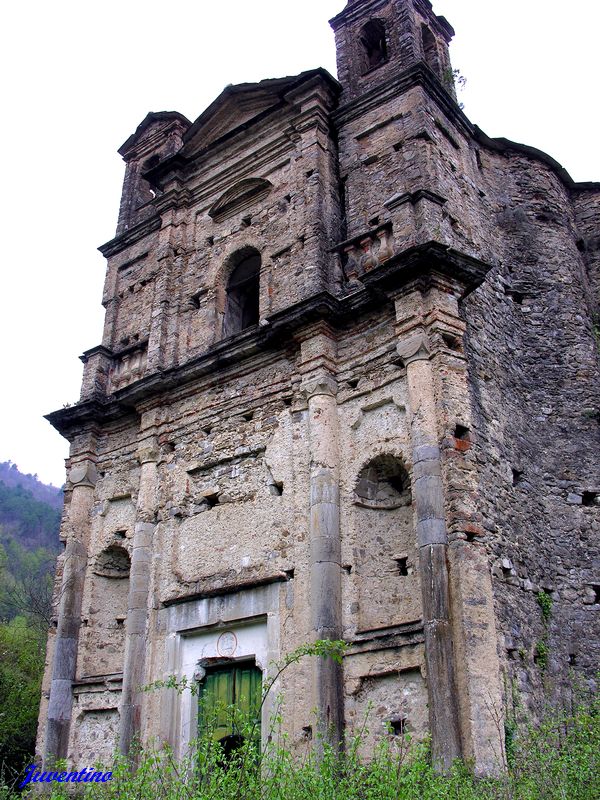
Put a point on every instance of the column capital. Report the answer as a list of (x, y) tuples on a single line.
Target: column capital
[(147, 454), (321, 385), (83, 474), (414, 348)]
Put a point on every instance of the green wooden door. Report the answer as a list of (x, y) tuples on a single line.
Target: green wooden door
[(225, 689)]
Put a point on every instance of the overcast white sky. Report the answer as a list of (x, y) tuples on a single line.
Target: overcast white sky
[(79, 75)]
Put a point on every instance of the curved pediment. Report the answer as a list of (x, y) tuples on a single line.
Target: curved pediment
[(239, 196)]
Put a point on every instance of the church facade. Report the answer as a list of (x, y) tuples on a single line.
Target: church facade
[(347, 389)]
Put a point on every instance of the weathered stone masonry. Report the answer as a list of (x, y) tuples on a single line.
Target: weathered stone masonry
[(347, 388)]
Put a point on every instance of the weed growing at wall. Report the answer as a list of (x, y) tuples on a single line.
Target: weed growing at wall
[(559, 759)]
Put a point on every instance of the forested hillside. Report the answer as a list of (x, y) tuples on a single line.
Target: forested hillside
[(29, 523)]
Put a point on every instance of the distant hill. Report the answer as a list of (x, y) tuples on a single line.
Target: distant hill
[(45, 493), (29, 509)]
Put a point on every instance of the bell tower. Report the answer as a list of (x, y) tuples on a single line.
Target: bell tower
[(378, 40)]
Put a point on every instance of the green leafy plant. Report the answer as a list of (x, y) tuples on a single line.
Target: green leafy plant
[(544, 601)]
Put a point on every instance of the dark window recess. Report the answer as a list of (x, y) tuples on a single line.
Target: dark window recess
[(241, 309), (430, 51), (398, 726), (372, 39), (589, 498)]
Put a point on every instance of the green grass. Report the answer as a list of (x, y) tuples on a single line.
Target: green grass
[(558, 759)]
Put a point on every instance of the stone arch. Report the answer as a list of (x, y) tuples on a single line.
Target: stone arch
[(381, 535), (241, 296), (104, 625), (241, 195), (374, 44), (383, 483), (113, 562)]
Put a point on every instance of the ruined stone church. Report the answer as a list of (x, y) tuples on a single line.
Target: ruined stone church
[(347, 389)]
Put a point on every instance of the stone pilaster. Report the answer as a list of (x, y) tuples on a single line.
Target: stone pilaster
[(460, 635), (432, 540), (324, 531), (83, 478), (137, 605)]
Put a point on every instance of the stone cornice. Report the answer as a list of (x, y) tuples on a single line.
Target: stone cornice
[(130, 236), (506, 146), (421, 263), (417, 75)]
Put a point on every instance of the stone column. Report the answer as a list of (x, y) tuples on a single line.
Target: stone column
[(432, 539), (137, 605), (325, 549), (83, 478)]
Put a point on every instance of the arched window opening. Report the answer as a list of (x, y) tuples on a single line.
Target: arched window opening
[(372, 38), (383, 483), (113, 562), (430, 51), (242, 302)]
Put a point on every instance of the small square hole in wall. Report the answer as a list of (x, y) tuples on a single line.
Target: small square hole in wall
[(451, 342), (353, 383), (516, 297), (402, 566), (246, 222), (461, 433), (210, 240), (398, 727), (307, 732), (347, 569), (276, 488), (596, 590), (374, 221), (572, 659), (517, 476), (207, 430), (212, 500), (589, 498), (120, 534), (287, 401), (120, 621), (248, 416)]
